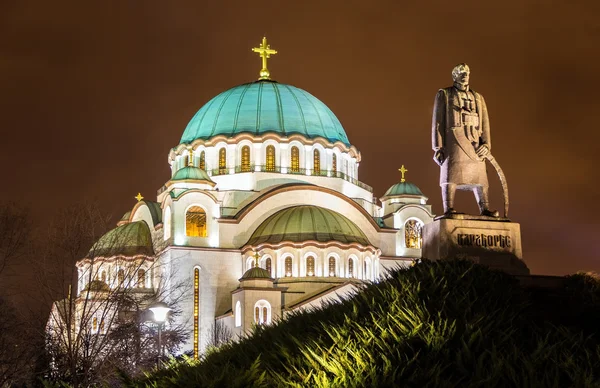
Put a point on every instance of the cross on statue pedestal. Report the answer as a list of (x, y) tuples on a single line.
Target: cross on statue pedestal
[(265, 51), (403, 170)]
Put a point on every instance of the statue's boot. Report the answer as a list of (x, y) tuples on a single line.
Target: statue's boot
[(448, 209), (485, 210)]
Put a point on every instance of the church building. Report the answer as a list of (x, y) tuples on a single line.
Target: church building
[(263, 215)]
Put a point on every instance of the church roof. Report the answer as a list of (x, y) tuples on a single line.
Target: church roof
[(129, 239), (191, 173), (263, 107), (403, 188), (256, 273), (307, 223)]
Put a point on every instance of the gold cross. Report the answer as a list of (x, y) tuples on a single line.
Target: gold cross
[(265, 51), (403, 170), (139, 197)]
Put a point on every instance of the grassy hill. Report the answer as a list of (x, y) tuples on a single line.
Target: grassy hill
[(442, 324)]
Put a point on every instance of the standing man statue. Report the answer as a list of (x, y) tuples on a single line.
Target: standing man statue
[(461, 141)]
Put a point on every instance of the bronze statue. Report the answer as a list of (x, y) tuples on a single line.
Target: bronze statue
[(461, 143)]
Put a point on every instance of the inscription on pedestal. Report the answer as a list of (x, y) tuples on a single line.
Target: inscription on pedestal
[(493, 243)]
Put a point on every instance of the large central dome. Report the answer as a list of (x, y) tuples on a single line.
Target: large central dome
[(265, 107)]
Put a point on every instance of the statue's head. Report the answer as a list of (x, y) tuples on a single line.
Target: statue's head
[(460, 74)]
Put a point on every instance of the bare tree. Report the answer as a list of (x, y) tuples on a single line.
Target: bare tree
[(98, 320), (15, 231), (15, 236), (218, 335)]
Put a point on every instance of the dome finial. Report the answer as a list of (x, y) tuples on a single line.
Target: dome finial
[(264, 51), (190, 157), (256, 257), (403, 171)]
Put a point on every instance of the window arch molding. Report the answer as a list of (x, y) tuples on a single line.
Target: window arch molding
[(240, 157), (352, 269), (304, 264), (301, 154), (283, 269), (221, 161), (413, 233), (206, 218), (238, 314), (167, 224), (337, 271), (323, 162), (265, 263), (250, 262), (262, 312), (367, 268)]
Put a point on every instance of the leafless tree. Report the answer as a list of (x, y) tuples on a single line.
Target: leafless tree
[(15, 231), (15, 237), (218, 335), (98, 321)]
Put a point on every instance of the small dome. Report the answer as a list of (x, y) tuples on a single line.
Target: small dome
[(191, 173), (403, 188), (307, 223), (264, 107), (256, 273), (129, 239)]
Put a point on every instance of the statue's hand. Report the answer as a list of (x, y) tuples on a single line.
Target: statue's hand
[(483, 150), (439, 156)]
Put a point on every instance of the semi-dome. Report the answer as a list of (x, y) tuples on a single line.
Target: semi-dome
[(129, 239), (263, 107), (191, 173), (403, 188), (307, 223)]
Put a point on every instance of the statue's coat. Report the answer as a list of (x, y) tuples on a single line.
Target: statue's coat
[(461, 165)]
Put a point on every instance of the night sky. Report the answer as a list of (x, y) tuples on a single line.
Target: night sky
[(93, 97)]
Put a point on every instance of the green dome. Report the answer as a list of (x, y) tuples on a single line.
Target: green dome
[(130, 239), (265, 107), (403, 188), (256, 273), (191, 173), (304, 223)]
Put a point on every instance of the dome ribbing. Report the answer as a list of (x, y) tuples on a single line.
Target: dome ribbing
[(265, 107)]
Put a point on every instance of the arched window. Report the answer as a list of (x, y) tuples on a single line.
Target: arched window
[(367, 269), (202, 160), (195, 222), (245, 158), (94, 324), (121, 276), (262, 312), (167, 224), (222, 161), (141, 280), (196, 308), (332, 271), (413, 234), (310, 266), (238, 314), (350, 268), (102, 325), (270, 161), (267, 264), (295, 162), (316, 162), (103, 276), (288, 266), (334, 165)]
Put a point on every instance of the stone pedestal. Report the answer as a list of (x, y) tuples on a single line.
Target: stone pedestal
[(484, 240)]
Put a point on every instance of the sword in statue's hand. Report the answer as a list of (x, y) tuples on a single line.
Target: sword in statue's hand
[(490, 158)]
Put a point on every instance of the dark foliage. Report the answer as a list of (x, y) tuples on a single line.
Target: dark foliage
[(443, 324)]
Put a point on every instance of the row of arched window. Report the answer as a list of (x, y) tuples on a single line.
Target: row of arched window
[(310, 268), (270, 160), (138, 280), (262, 313)]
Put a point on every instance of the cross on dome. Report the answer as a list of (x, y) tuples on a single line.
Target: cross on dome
[(264, 51), (139, 197), (403, 171)]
